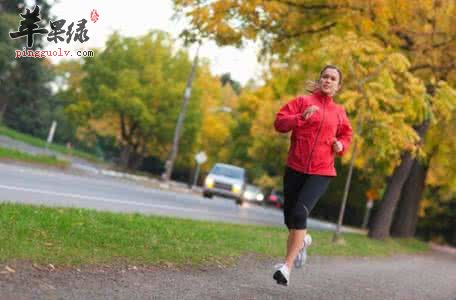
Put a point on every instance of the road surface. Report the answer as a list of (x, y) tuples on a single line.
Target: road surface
[(55, 188)]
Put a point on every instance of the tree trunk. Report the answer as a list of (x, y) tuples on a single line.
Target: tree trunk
[(453, 238), (131, 157), (404, 224), (136, 161), (382, 220), (3, 106), (125, 154)]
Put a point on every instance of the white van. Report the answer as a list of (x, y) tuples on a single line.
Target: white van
[(226, 181)]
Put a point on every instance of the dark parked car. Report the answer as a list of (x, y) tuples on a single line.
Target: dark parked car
[(253, 194), (275, 198)]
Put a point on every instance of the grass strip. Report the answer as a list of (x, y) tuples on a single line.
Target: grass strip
[(31, 140), (80, 236), (11, 154)]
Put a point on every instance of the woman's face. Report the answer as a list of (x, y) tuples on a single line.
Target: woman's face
[(329, 82)]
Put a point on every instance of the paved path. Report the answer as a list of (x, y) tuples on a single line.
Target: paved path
[(428, 276)]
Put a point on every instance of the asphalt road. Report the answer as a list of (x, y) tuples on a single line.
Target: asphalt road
[(54, 188)]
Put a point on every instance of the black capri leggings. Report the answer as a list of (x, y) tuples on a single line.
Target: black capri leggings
[(301, 193)]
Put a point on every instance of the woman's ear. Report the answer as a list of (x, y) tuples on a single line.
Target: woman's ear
[(339, 86)]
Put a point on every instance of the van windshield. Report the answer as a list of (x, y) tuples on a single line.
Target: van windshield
[(228, 172)]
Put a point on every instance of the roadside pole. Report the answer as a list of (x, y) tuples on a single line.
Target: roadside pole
[(200, 159), (336, 237), (369, 205), (51, 134), (371, 195), (169, 164)]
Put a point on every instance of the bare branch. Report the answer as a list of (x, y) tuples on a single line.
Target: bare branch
[(419, 67), (409, 42), (303, 6), (445, 68), (308, 31), (438, 45)]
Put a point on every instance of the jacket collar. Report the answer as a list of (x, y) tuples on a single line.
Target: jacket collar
[(322, 97)]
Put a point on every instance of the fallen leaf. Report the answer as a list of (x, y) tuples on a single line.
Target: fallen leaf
[(11, 270), (47, 286)]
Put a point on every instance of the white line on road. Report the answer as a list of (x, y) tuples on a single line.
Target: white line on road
[(103, 199), (157, 206), (218, 215)]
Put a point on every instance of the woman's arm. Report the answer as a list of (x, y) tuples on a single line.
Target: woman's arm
[(288, 116), (344, 132)]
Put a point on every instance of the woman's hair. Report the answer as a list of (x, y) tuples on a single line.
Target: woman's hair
[(312, 85)]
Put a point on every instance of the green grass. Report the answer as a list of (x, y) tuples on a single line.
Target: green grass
[(42, 144), (11, 154), (80, 236)]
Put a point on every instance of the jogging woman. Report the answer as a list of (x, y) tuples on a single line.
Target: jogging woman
[(319, 129)]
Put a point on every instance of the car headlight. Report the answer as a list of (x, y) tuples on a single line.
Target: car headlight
[(236, 188), (260, 197), (209, 182)]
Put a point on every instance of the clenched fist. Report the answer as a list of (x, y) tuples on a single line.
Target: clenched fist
[(309, 112), (337, 146)]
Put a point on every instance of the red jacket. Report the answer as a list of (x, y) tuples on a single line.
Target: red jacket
[(311, 149)]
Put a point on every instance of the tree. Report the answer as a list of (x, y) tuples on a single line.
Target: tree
[(436, 208), (7, 47), (156, 85), (427, 38), (131, 91), (26, 103), (433, 169)]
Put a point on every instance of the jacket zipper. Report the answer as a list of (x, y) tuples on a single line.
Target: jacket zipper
[(316, 139)]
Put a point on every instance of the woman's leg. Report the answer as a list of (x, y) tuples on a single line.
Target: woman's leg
[(312, 189), (292, 183), (294, 244), (289, 240)]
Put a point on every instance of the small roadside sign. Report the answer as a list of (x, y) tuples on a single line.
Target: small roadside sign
[(201, 157)]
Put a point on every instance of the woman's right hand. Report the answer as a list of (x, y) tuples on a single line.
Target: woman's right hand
[(309, 112)]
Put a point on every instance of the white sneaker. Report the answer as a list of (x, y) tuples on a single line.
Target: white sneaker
[(302, 254), (282, 274)]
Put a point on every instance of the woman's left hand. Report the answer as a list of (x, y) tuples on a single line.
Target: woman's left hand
[(337, 146)]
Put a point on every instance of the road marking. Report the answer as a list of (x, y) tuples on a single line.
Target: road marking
[(105, 180), (102, 199), (158, 206), (242, 216)]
